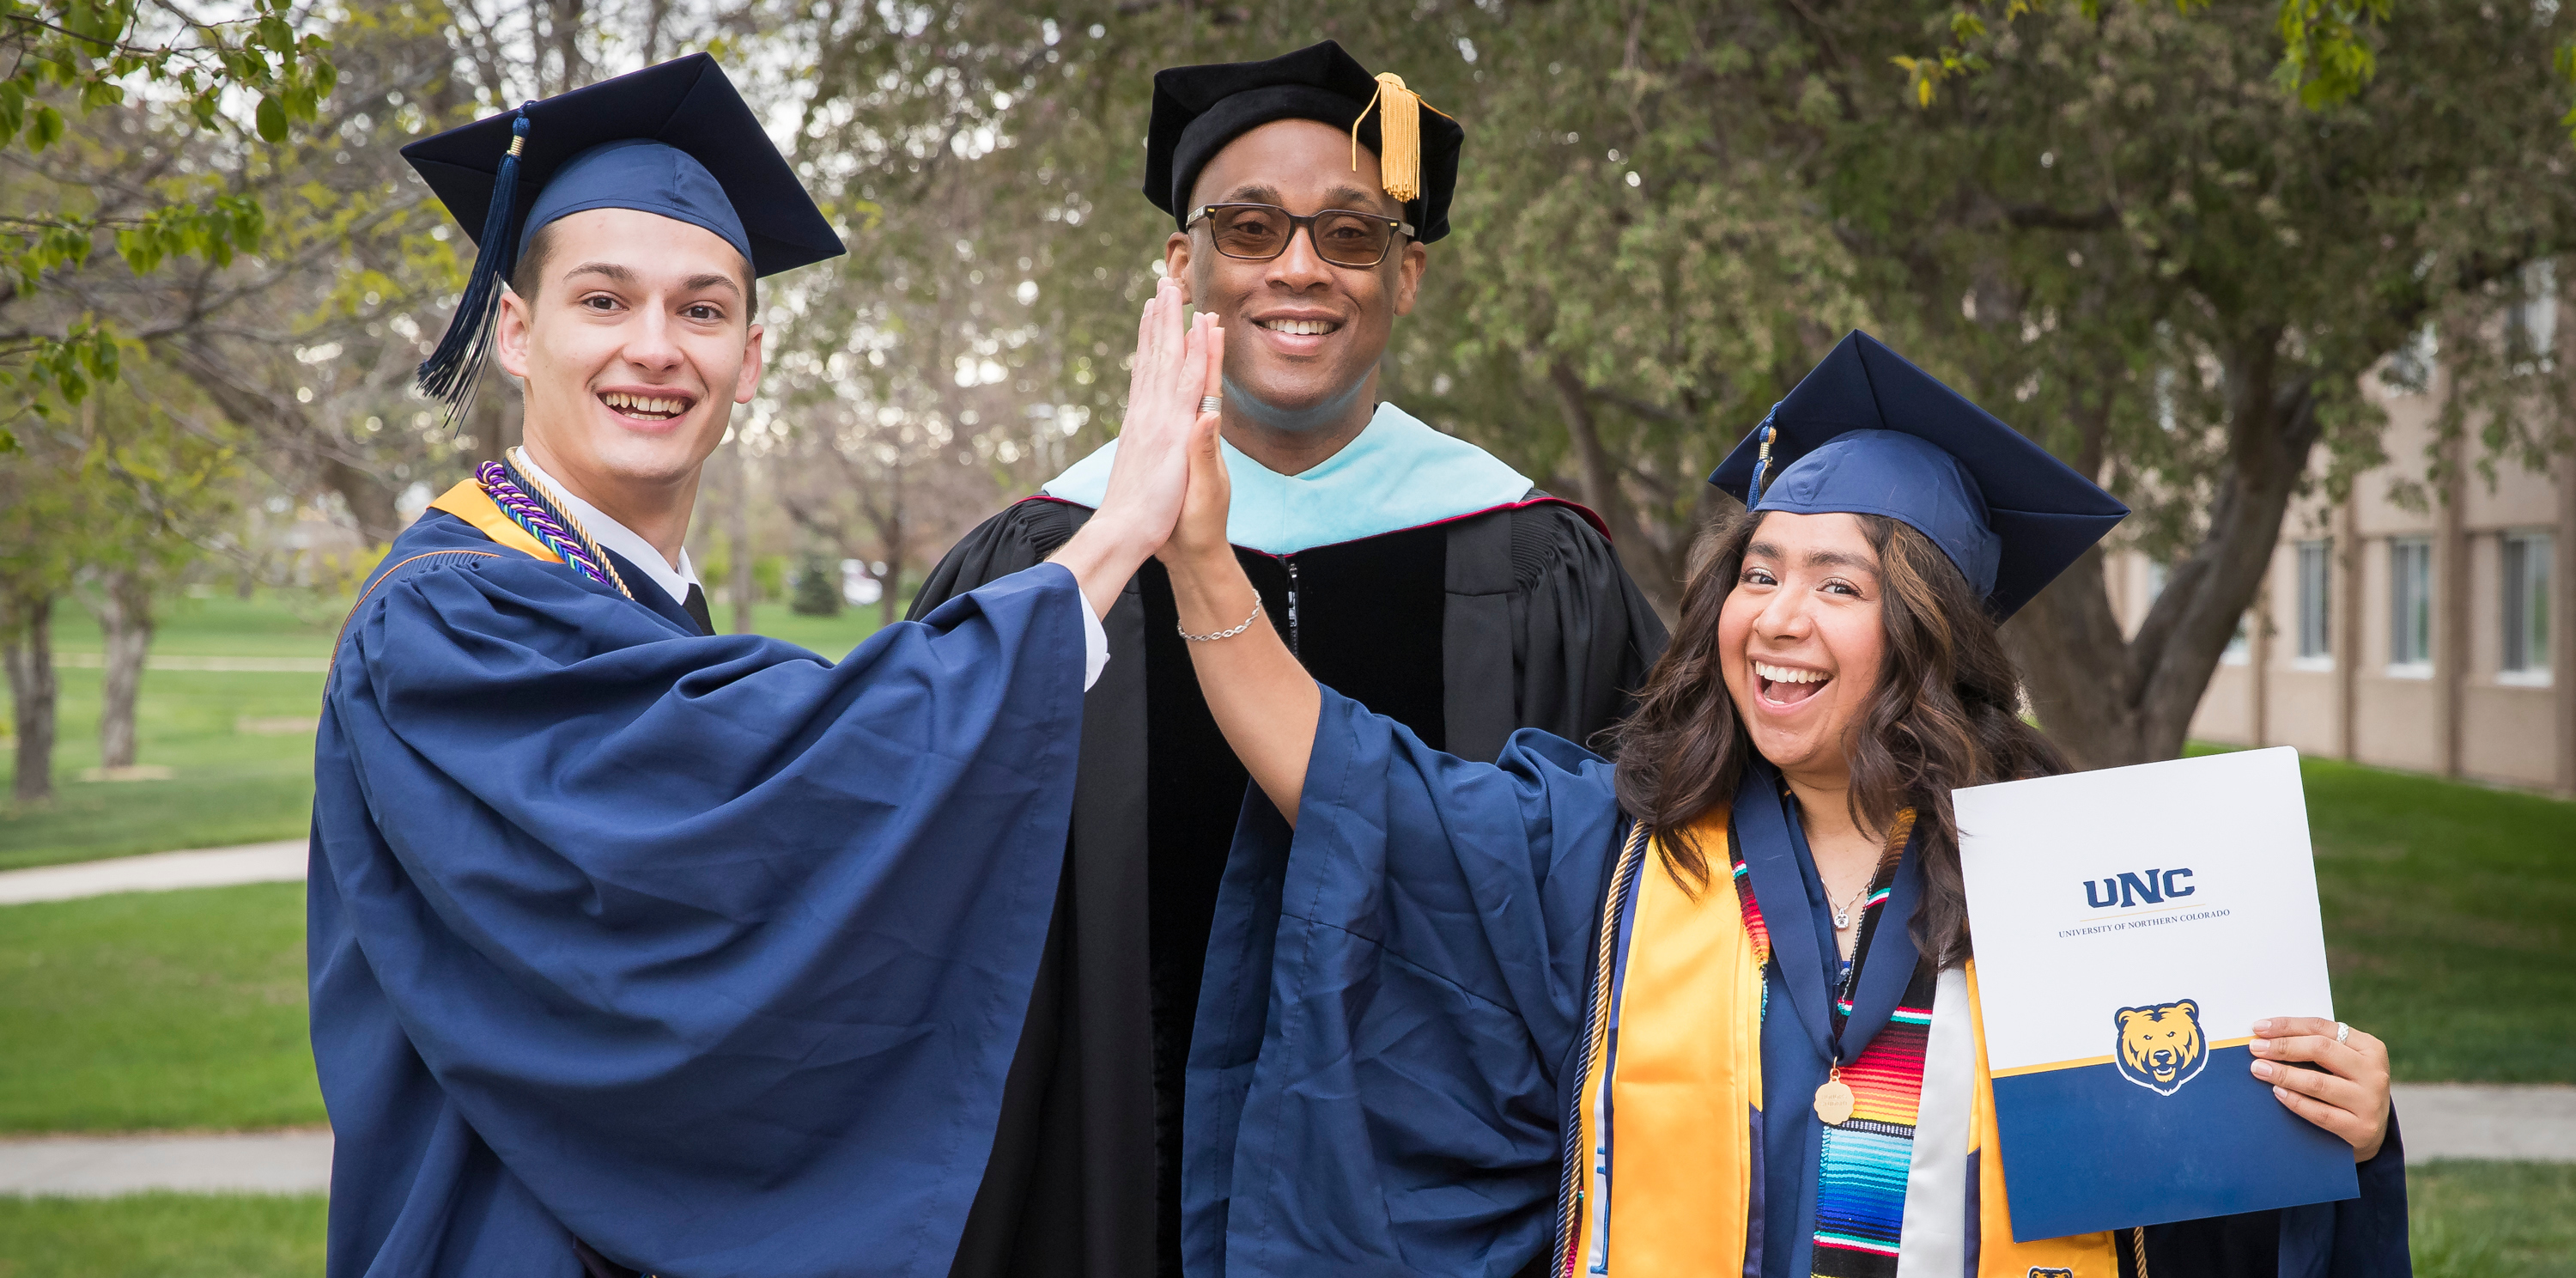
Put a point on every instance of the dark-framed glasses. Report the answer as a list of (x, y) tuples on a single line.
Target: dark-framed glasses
[(1260, 232)]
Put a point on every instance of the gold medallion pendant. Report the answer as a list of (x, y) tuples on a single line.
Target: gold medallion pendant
[(1834, 1099)]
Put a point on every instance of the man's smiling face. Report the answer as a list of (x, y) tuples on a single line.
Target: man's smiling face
[(1302, 334), (635, 349)]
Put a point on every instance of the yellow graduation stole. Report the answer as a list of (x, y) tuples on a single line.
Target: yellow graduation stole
[(1688, 1080)]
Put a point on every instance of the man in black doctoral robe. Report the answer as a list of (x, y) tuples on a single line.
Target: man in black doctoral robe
[(1408, 570)]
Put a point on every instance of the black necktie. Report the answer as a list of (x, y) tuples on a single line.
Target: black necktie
[(696, 606)]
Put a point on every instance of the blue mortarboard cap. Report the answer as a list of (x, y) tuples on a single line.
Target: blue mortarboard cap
[(1866, 432), (673, 139)]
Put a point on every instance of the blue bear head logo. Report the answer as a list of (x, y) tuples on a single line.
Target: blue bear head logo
[(2160, 1046)]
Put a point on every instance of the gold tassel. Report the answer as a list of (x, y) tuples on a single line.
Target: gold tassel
[(1399, 130)]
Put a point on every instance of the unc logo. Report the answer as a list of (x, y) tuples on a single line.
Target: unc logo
[(2037, 1272), (2160, 1046)]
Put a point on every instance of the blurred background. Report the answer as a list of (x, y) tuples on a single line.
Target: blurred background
[(2285, 275)]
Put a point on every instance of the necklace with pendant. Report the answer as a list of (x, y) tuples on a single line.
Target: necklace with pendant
[(1834, 1098), (1843, 912)]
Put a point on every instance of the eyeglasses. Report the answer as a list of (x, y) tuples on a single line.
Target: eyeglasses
[(1260, 232)]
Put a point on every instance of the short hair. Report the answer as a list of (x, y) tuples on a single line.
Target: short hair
[(530, 271)]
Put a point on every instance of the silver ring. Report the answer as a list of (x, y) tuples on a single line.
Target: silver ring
[(2342, 1031), (1210, 403)]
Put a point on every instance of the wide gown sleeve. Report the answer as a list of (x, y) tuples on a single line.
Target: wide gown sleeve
[(1583, 636), (720, 947), (1391, 993)]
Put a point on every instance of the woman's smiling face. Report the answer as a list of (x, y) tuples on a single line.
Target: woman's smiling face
[(1801, 641)]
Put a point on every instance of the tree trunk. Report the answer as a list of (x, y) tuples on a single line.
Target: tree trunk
[(26, 621), (2106, 701), (1661, 585), (125, 616), (890, 536), (738, 532)]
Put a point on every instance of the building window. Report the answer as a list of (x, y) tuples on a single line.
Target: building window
[(2410, 607), (2526, 607), (2316, 587)]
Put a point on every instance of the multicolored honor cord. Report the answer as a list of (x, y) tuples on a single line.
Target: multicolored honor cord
[(559, 532)]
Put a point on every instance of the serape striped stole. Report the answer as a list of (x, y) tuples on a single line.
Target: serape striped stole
[(1673, 1098)]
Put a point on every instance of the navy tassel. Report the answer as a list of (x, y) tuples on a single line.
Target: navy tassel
[(1762, 459), (453, 371)]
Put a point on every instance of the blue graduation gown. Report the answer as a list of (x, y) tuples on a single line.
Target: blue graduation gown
[(1394, 1004), (704, 951)]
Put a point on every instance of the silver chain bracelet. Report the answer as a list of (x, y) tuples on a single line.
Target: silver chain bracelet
[(1225, 634)]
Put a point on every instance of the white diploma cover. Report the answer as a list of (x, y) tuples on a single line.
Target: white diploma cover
[(2131, 925)]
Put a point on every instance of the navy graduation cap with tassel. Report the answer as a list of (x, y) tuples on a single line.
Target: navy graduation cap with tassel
[(673, 139), (1866, 432)]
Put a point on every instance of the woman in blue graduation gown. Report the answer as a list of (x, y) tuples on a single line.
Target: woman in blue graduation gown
[(1711, 1011)]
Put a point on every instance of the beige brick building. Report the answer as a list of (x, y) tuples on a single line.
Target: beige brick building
[(2441, 640)]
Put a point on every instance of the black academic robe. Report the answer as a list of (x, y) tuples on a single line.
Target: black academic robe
[(1464, 630)]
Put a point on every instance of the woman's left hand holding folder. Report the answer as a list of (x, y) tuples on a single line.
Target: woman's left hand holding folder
[(2347, 1094)]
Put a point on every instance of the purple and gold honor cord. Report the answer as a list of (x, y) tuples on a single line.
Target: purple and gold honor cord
[(556, 532)]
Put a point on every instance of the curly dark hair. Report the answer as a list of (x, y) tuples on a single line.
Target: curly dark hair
[(1944, 715)]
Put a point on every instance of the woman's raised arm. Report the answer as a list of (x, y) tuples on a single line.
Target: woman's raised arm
[(1264, 701)]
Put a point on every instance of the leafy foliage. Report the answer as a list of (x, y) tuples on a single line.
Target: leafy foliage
[(89, 55)]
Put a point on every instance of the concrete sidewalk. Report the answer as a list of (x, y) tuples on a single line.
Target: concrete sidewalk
[(280, 862), (2443, 1120), (282, 1162)]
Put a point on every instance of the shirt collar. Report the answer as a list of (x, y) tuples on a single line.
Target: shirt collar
[(612, 535)]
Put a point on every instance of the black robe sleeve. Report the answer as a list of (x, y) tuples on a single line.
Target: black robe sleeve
[(1021, 536), (1542, 590)]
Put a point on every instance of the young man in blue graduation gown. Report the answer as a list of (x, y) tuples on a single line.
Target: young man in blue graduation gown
[(634, 948), (1411, 570)]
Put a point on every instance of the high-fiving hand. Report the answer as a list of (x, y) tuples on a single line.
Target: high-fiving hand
[(1177, 364)]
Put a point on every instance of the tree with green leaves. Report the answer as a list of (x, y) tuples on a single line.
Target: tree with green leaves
[(2169, 243), (71, 58)]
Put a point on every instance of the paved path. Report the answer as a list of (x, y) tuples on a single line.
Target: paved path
[(2443, 1120), (280, 862), (286, 1162)]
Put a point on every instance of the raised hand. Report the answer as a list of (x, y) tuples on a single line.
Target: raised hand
[(1176, 363), (1200, 534)]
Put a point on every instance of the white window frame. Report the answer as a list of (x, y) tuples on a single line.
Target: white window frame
[(2520, 579), (2410, 639), (2315, 565)]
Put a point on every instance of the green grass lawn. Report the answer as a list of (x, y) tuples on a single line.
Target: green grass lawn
[(162, 1236), (2447, 911), (2492, 1220), (2469, 1220), (156, 1010), (241, 763)]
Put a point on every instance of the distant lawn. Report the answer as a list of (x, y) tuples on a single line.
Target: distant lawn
[(2492, 1220), (163, 1236), (242, 765), (156, 1010), (2448, 914)]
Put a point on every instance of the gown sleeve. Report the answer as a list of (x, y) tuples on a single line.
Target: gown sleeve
[(1583, 636), (721, 948), (1392, 991), (1020, 536)]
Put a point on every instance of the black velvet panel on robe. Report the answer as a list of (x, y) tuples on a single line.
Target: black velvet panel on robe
[(1464, 631)]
